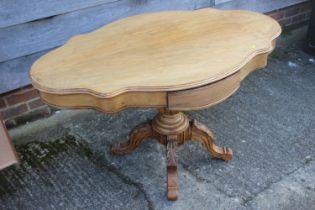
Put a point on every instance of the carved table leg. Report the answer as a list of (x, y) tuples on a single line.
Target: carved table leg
[(138, 134), (172, 128), (200, 132), (172, 192)]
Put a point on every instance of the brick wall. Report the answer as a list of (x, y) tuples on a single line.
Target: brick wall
[(293, 16), (24, 105), (21, 106)]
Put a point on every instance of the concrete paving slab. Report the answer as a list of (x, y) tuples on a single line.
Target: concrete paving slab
[(65, 174)]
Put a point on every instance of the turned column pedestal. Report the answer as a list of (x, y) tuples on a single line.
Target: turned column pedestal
[(172, 128)]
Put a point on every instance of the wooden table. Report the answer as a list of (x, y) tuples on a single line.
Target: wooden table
[(173, 61)]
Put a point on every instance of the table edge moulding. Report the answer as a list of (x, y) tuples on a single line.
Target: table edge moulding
[(171, 60)]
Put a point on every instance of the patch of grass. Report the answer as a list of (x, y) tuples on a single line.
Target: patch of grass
[(285, 33), (36, 156), (280, 54), (275, 55)]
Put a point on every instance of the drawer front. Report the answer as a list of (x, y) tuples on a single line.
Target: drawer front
[(204, 96)]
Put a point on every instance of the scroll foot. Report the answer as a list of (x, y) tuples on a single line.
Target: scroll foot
[(201, 133), (137, 135)]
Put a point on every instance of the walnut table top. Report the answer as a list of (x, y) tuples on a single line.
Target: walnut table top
[(156, 53), (172, 60)]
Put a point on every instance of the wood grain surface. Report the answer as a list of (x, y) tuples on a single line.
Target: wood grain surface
[(157, 52), (25, 11)]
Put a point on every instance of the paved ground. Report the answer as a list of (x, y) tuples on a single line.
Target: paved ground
[(269, 123)]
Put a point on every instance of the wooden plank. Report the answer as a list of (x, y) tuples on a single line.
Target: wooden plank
[(7, 152), (256, 5), (13, 12), (28, 38), (221, 1), (44, 34), (14, 73)]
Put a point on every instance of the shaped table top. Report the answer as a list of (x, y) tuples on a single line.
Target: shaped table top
[(157, 52)]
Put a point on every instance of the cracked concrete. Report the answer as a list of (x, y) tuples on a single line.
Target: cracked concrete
[(58, 175), (295, 191), (269, 123)]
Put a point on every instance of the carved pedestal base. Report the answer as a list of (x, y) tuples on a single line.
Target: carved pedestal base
[(172, 128)]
